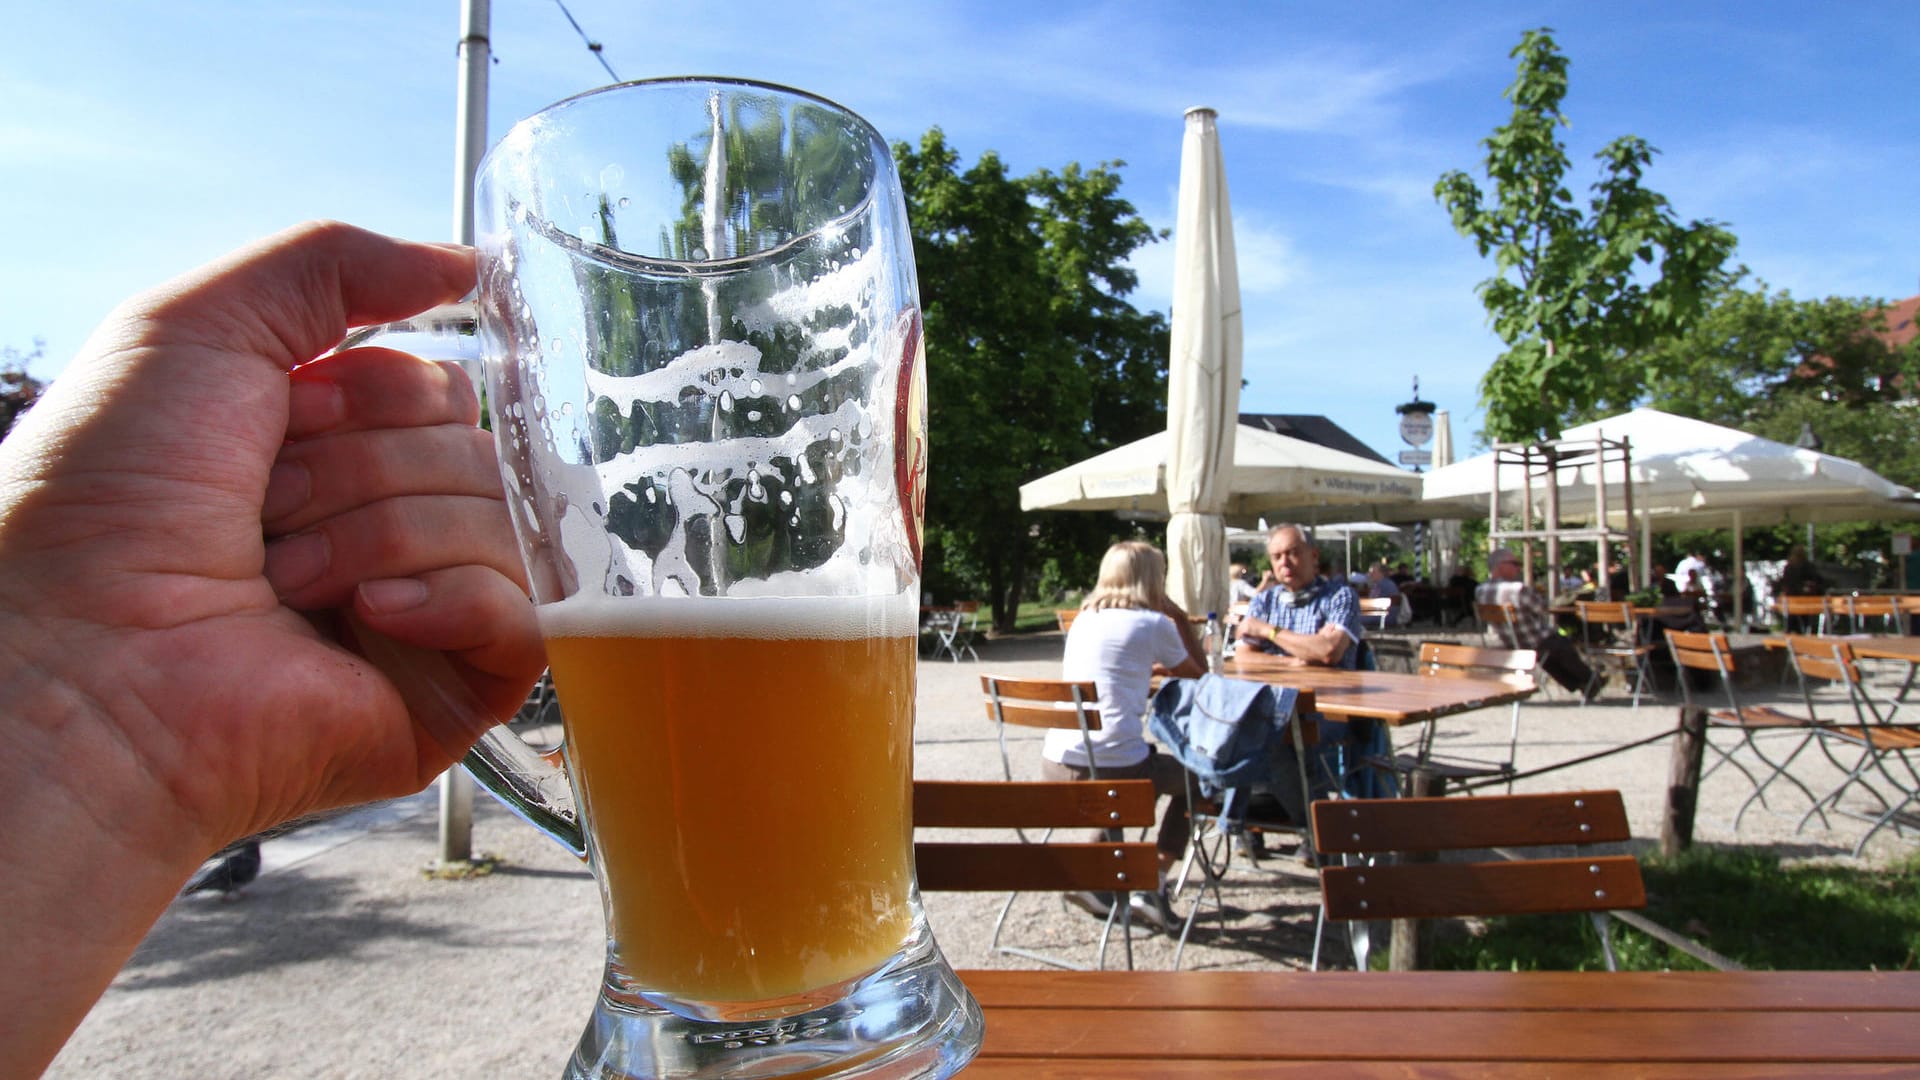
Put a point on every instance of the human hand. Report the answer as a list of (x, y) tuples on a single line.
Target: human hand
[(183, 524)]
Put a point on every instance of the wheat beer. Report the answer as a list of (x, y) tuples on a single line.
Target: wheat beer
[(747, 765)]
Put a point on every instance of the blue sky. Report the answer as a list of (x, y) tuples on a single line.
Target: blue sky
[(139, 138)]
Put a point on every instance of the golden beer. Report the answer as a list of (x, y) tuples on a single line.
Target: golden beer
[(747, 766)]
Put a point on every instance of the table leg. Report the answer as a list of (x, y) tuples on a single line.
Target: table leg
[(1411, 937)]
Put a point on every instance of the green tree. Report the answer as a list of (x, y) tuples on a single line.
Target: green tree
[(1574, 295), (18, 388), (1769, 364), (1035, 359)]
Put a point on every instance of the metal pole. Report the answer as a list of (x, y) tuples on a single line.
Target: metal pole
[(470, 141)]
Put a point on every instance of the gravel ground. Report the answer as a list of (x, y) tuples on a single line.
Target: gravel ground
[(345, 960)]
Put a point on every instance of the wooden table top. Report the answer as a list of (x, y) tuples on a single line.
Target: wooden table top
[(1500, 1024), (1389, 696)]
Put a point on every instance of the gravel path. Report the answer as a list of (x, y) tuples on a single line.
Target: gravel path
[(345, 960)]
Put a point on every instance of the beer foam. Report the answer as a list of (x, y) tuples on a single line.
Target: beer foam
[(757, 617)]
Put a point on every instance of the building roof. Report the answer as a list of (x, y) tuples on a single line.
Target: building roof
[(1314, 429), (1900, 321)]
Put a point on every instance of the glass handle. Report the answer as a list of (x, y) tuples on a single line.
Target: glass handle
[(531, 784)]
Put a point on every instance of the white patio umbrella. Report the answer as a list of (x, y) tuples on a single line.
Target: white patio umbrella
[(1203, 374), (1272, 475), (1689, 474), (1445, 533)]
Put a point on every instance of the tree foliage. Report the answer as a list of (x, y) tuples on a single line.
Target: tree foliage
[(1035, 359), (1767, 363), (18, 388), (1577, 295)]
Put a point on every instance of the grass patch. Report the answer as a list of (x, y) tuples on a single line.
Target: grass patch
[(1741, 903)]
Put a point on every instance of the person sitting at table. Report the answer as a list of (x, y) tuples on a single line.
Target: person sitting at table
[(1127, 631), (1533, 627), (1243, 588), (1308, 621), (1302, 618), (1801, 578), (1380, 584)]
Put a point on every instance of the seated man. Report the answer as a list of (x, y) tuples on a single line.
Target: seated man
[(1533, 628), (1305, 620), (1302, 618)]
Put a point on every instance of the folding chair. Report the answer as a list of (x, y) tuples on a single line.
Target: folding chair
[(1798, 609), (1611, 636), (1065, 617), (1223, 767), (1496, 624), (1440, 660), (1712, 652), (1857, 610), (955, 629), (1023, 865), (1375, 828), (1875, 739), (1376, 612), (1046, 705)]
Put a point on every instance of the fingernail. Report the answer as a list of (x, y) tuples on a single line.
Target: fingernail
[(392, 595), (289, 486), (314, 405), (297, 561)]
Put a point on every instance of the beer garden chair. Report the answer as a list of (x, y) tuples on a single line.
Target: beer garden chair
[(1440, 660), (1371, 830), (1117, 867), (1045, 705), (1877, 741), (1612, 637), (1714, 653)]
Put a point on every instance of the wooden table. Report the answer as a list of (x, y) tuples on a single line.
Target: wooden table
[(1391, 697), (1500, 1024)]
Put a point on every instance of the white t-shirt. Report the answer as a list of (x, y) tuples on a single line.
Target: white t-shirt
[(1116, 648)]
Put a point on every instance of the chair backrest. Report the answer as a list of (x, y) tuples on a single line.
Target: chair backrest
[(1605, 612), (1002, 865), (1376, 607), (1823, 658), (1444, 889), (1803, 605), (1050, 704), (1508, 665), (1493, 614), (1065, 617), (1704, 652)]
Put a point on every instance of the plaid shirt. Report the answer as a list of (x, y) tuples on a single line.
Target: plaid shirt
[(1532, 622), (1329, 602)]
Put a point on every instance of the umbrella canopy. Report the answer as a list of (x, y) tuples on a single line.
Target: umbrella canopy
[(1203, 374), (1272, 474), (1690, 474)]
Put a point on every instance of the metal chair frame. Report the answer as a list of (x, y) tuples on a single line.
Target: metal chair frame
[(1046, 704), (1713, 652), (954, 630), (1871, 734), (1614, 617), (1438, 660), (1221, 826)]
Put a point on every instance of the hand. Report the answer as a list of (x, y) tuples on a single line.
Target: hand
[(185, 519)]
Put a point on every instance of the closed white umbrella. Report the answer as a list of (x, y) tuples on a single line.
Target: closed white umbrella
[(1203, 374), (1445, 533)]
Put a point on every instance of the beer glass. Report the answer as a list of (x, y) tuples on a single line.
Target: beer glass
[(704, 370)]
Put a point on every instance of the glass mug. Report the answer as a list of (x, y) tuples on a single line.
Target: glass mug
[(704, 371)]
